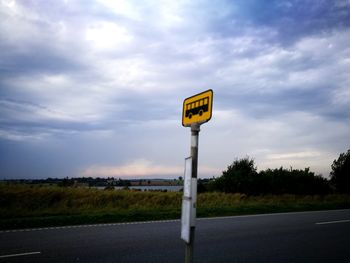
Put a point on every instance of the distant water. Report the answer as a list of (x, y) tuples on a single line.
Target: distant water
[(169, 188)]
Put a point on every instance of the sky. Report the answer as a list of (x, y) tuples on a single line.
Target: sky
[(95, 88)]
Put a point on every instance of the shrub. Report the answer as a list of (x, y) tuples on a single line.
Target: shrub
[(340, 174)]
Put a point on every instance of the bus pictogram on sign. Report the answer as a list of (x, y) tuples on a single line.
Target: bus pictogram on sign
[(198, 108)]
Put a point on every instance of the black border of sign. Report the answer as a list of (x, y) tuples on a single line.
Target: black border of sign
[(211, 107)]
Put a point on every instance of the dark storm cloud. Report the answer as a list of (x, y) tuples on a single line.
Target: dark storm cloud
[(291, 20), (42, 60), (23, 119), (316, 101)]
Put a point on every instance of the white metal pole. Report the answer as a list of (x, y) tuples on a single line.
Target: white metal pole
[(195, 128)]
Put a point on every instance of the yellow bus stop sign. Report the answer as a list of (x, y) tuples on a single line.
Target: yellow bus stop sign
[(198, 108)]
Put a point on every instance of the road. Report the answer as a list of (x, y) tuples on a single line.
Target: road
[(322, 236)]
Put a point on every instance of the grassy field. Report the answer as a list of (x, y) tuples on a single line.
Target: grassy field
[(23, 206)]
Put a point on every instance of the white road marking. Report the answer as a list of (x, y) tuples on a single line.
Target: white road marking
[(20, 254), (168, 221), (333, 222)]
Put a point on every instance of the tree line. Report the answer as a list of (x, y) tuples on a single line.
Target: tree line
[(242, 177)]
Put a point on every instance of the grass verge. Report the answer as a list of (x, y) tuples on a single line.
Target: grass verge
[(25, 206)]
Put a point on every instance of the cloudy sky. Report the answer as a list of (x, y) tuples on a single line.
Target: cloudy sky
[(95, 88)]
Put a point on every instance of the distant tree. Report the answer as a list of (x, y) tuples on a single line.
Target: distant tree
[(202, 185), (240, 177), (66, 182), (340, 174), (293, 181)]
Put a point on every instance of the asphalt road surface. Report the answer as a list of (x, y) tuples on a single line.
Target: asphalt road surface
[(322, 236)]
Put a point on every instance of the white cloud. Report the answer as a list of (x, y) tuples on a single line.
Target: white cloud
[(17, 25), (106, 36), (122, 7)]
